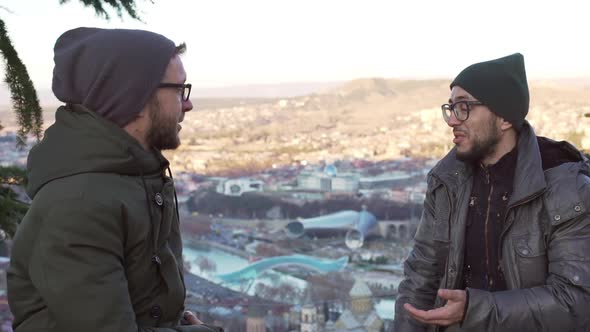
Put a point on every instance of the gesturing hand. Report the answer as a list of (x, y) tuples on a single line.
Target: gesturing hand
[(451, 313), (191, 318)]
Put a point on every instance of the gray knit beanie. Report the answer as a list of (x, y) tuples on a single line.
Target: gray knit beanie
[(112, 72)]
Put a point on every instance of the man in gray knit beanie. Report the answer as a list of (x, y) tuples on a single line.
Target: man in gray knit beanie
[(100, 247)]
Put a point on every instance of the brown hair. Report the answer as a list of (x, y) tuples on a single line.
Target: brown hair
[(180, 49)]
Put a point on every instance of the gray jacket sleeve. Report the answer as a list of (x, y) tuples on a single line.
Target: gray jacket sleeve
[(424, 267), (563, 303)]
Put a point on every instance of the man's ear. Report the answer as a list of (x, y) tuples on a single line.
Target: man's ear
[(505, 125)]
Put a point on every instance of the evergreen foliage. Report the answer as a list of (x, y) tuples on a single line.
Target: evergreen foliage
[(22, 92), (11, 209), (120, 6)]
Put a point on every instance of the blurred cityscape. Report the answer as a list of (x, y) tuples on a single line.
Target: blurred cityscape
[(336, 233)]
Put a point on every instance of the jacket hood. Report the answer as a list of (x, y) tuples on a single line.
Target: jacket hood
[(81, 141), (115, 81), (554, 153)]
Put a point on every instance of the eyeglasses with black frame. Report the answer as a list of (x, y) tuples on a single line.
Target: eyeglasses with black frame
[(460, 108), (186, 88)]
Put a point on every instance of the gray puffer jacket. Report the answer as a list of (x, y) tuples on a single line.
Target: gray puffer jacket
[(544, 246)]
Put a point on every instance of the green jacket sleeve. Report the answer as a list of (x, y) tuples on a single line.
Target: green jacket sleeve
[(78, 267)]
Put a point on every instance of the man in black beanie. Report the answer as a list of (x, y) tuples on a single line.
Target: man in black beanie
[(505, 233), (100, 247)]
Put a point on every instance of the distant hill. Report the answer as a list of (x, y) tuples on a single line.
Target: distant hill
[(232, 92), (275, 90), (370, 118), (202, 97)]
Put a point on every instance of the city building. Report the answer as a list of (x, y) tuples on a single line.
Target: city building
[(236, 187), (384, 181), (362, 315), (397, 229), (255, 321), (355, 226), (309, 314), (329, 180)]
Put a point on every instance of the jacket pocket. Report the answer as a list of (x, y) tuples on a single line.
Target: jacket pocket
[(531, 259)]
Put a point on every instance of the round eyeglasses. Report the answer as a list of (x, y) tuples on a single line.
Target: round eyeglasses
[(460, 108)]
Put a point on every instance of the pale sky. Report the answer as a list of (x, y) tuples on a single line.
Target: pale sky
[(234, 42)]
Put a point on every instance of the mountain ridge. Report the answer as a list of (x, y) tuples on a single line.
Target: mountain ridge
[(371, 118)]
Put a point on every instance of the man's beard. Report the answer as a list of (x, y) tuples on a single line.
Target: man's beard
[(163, 132), (483, 146)]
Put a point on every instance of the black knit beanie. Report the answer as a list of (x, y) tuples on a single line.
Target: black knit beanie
[(501, 85), (112, 72)]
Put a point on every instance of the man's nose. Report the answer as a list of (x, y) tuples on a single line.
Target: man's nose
[(453, 122), (187, 105)]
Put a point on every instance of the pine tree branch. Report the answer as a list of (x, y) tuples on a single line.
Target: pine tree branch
[(6, 9), (120, 7), (13, 175), (11, 209), (11, 212), (24, 97)]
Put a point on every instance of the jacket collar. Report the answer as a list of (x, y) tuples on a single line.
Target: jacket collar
[(529, 179)]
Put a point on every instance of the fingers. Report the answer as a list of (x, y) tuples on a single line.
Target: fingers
[(429, 317), (456, 295), (191, 318), (417, 314), (445, 316)]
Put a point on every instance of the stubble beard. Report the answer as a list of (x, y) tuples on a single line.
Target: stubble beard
[(163, 131), (482, 147)]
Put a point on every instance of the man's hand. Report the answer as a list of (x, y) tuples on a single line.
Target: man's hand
[(450, 314), (191, 318)]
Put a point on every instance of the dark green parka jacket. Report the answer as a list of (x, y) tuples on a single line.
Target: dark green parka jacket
[(100, 248)]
